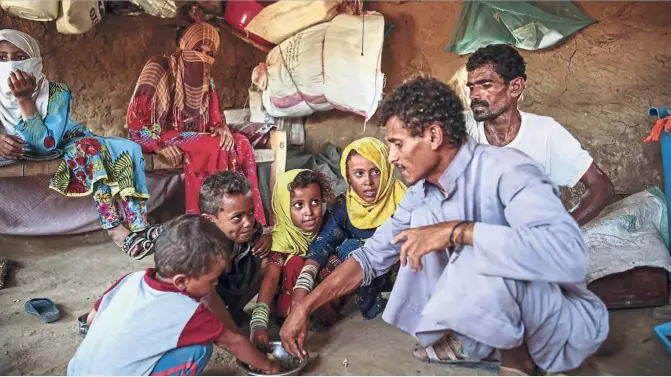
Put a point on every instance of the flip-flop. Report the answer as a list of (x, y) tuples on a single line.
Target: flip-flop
[(83, 327), (134, 241), (43, 308), (455, 357), (152, 232), (4, 269)]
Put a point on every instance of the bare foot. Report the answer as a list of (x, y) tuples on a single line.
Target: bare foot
[(505, 371), (118, 234), (516, 362)]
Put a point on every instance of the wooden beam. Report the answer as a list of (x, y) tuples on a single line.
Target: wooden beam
[(278, 143), (31, 168)]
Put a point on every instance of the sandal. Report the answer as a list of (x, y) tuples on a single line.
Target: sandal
[(133, 242), (4, 269), (83, 327), (43, 308), (151, 232), (455, 355)]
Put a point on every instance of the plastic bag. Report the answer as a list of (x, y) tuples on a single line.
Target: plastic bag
[(79, 16), (529, 25), (628, 234), (158, 8)]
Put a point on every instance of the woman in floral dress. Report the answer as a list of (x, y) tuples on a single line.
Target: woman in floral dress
[(36, 119)]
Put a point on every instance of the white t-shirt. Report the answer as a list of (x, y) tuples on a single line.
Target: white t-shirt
[(547, 142)]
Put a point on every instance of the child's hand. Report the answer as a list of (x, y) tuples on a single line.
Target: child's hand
[(275, 368), (260, 339), (262, 246)]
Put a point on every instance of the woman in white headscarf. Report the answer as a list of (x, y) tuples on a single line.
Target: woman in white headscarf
[(35, 117)]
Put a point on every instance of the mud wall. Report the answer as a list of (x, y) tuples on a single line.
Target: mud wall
[(102, 66), (598, 84)]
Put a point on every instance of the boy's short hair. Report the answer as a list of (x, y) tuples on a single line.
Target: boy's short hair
[(190, 245), (219, 184), (308, 177)]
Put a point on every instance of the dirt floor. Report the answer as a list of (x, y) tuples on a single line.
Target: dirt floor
[(74, 270)]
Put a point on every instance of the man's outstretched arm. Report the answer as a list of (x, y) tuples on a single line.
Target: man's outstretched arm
[(374, 259), (599, 192)]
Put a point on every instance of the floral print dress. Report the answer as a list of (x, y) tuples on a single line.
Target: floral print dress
[(108, 168)]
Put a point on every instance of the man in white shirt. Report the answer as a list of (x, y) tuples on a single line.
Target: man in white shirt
[(496, 80)]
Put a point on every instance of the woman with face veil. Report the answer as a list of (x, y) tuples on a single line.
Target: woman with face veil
[(36, 120), (175, 113)]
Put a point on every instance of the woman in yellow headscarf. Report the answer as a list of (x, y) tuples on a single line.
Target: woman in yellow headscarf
[(298, 205), (370, 200)]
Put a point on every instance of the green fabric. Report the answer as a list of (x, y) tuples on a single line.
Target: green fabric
[(529, 25)]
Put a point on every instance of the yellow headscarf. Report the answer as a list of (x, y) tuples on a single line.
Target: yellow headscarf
[(365, 215), (287, 237)]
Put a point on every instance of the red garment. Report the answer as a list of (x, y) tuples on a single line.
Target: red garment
[(290, 272), (663, 124), (203, 156)]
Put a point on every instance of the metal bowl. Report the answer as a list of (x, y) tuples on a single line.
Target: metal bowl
[(290, 365)]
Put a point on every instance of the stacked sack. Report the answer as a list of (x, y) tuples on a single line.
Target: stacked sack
[(331, 65)]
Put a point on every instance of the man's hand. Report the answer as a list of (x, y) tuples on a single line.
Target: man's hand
[(296, 297), (262, 246), (295, 330), (420, 241), (226, 138), (22, 84), (11, 147), (172, 155), (259, 339)]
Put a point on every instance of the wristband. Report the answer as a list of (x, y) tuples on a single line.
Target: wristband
[(306, 279), (260, 316)]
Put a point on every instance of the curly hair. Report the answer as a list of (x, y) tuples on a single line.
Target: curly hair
[(424, 101), (219, 184), (308, 177), (507, 62)]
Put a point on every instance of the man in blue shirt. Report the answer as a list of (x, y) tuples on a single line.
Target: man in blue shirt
[(493, 265)]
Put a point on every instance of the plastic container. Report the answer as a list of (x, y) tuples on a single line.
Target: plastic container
[(239, 13), (663, 332), (35, 10), (291, 366), (665, 141)]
